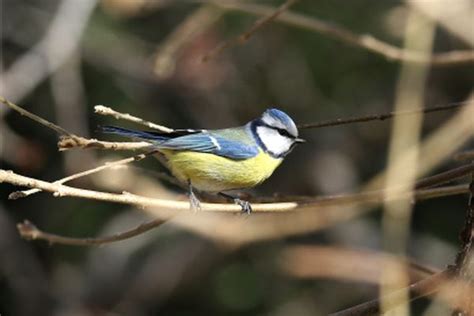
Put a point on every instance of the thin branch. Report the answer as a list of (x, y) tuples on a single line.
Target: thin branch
[(379, 195), (103, 110), (467, 234), (29, 231), (76, 142), (446, 176), (250, 32), (419, 289), (464, 262), (36, 118), (69, 140), (60, 190), (340, 33), (382, 117), (21, 194)]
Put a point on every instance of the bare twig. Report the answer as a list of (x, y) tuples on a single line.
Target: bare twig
[(378, 195), (419, 289), (247, 34), (29, 231), (438, 146), (446, 176), (74, 142), (382, 117), (340, 33), (60, 190), (20, 194), (36, 118), (69, 140), (464, 263), (103, 110)]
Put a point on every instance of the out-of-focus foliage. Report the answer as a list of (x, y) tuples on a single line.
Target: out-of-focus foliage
[(171, 271)]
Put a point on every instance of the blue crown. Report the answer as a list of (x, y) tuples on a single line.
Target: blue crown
[(278, 116)]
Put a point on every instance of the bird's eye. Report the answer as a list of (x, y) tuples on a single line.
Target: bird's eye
[(284, 132)]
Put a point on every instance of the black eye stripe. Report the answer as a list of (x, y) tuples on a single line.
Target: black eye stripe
[(281, 131), (284, 132)]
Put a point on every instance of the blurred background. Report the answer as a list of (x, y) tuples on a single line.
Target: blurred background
[(145, 57)]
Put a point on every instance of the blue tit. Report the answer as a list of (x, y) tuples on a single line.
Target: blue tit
[(223, 159)]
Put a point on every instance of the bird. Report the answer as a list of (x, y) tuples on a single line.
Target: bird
[(221, 160)]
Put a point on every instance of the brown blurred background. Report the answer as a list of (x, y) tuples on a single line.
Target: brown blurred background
[(144, 57)]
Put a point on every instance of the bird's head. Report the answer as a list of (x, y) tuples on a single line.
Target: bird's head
[(276, 132)]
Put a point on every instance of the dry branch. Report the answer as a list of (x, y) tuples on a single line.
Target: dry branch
[(29, 231), (340, 33), (446, 176), (464, 263), (382, 117), (422, 288), (69, 140), (103, 110), (20, 194), (247, 34), (36, 118), (75, 142), (60, 190)]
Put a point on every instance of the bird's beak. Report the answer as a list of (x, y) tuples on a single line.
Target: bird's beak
[(300, 140)]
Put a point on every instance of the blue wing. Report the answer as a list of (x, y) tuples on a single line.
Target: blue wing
[(193, 140), (211, 143)]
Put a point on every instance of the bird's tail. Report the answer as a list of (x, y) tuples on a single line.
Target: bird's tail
[(157, 137)]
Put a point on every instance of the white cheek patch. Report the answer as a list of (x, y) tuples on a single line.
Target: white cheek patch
[(273, 141)]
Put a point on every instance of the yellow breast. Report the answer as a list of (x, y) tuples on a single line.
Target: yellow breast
[(208, 172)]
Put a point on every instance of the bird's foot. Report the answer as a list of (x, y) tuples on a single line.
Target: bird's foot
[(245, 205), (194, 203)]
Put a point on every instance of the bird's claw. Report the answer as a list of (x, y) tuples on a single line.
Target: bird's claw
[(194, 203), (245, 205)]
